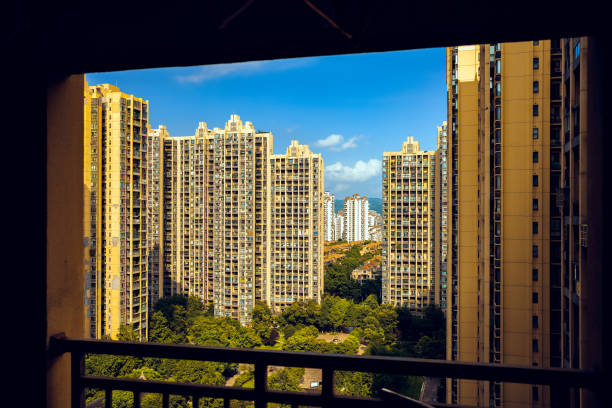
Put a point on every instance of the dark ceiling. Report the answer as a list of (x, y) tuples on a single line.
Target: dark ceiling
[(102, 36)]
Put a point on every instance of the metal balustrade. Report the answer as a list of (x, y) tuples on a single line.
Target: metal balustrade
[(561, 380)]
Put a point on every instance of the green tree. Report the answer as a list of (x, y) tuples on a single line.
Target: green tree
[(387, 317), (301, 314), (263, 323), (127, 333), (159, 332), (354, 384), (286, 379)]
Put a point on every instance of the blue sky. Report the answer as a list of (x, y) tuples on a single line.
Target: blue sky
[(349, 108)]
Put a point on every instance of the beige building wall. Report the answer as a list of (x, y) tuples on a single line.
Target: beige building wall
[(155, 204), (441, 211), (329, 213), (297, 227), (500, 195), (409, 275), (115, 234)]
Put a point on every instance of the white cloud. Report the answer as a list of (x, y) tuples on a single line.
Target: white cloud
[(211, 72), (336, 143), (360, 172), (329, 141), (349, 144)]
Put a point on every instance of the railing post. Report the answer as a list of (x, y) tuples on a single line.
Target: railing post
[(261, 384), (77, 369), (327, 391)]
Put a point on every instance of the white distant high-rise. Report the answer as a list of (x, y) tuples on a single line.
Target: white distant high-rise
[(356, 210), (339, 225), (329, 215)]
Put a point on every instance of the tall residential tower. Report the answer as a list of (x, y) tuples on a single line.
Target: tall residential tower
[(409, 275), (115, 214), (356, 212), (499, 119)]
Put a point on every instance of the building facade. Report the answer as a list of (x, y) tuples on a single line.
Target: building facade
[(500, 120), (329, 201), (240, 224), (296, 272), (409, 275), (356, 218), (576, 158), (442, 192), (339, 224), (115, 214)]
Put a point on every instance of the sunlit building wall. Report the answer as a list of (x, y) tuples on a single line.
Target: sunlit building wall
[(356, 218), (115, 234), (409, 275), (328, 206), (297, 227), (499, 121)]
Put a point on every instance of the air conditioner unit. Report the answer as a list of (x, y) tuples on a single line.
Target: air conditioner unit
[(584, 232)]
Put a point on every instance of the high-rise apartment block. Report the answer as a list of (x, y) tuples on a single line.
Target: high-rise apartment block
[(339, 225), (329, 201), (356, 218), (504, 232), (115, 216), (155, 200), (296, 272), (442, 193), (215, 215), (409, 274), (576, 161)]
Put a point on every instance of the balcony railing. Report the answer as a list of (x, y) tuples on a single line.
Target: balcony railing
[(561, 380)]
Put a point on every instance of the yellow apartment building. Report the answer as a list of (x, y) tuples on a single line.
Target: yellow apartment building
[(183, 215), (409, 274), (499, 121), (297, 227), (226, 202), (155, 204), (576, 83), (441, 211), (238, 217), (115, 214)]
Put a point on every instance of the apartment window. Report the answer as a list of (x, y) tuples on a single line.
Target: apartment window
[(534, 275), (534, 227), (535, 157), (536, 86), (498, 113), (498, 89), (534, 297), (535, 346), (536, 110), (536, 133), (536, 42), (535, 204), (534, 322), (535, 180), (534, 251), (498, 66), (536, 63), (535, 393)]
